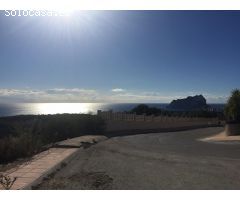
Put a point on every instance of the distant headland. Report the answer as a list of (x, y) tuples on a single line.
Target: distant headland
[(191, 103)]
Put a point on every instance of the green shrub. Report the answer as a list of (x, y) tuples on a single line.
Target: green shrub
[(232, 108)]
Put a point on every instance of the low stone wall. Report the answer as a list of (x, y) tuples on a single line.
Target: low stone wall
[(232, 129), (113, 125)]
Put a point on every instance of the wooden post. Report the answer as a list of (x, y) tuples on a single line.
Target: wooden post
[(99, 112)]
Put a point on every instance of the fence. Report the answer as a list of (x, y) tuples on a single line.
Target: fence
[(119, 121), (122, 116)]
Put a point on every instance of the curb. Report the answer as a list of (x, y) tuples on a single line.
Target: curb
[(49, 171)]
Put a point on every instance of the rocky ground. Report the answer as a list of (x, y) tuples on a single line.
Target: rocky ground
[(176, 160)]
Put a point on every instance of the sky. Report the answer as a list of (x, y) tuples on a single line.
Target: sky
[(119, 56)]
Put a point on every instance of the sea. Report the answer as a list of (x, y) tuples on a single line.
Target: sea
[(13, 109)]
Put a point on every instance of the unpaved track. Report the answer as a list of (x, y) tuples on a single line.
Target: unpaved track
[(175, 160)]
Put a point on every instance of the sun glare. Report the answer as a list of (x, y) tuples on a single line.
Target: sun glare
[(60, 108)]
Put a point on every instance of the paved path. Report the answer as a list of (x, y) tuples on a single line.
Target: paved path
[(39, 166), (176, 160), (30, 173), (222, 137)]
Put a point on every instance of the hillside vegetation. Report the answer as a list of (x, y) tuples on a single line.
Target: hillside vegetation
[(145, 109), (23, 136)]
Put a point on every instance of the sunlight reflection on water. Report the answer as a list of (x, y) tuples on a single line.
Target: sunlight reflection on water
[(49, 108), (55, 108)]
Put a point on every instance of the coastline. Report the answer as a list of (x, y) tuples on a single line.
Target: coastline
[(14, 109)]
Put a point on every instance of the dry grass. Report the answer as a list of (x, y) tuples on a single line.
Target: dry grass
[(24, 136)]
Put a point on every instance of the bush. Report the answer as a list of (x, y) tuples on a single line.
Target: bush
[(145, 109), (23, 136), (232, 109)]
